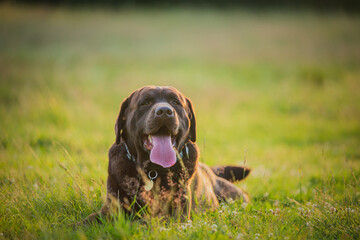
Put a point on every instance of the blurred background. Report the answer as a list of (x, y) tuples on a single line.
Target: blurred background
[(348, 5), (275, 85)]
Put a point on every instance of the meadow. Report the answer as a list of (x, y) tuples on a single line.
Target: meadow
[(277, 91)]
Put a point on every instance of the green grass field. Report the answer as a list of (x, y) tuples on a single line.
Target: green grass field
[(278, 91)]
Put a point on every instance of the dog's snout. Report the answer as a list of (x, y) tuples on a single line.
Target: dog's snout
[(164, 111)]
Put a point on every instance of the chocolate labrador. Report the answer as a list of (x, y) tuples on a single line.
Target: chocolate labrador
[(153, 164)]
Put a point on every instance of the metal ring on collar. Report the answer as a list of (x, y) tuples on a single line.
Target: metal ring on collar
[(154, 173)]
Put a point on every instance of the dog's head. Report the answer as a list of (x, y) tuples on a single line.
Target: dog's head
[(155, 122)]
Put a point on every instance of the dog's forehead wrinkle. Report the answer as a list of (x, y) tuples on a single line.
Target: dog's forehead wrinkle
[(163, 91)]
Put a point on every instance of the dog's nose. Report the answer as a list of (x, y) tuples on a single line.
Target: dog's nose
[(164, 111)]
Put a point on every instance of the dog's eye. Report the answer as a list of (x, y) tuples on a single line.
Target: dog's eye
[(145, 103), (176, 102)]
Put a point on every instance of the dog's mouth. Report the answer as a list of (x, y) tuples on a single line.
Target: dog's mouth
[(161, 145)]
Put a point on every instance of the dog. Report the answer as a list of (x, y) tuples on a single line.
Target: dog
[(153, 164)]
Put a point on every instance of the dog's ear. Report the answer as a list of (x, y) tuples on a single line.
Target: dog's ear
[(192, 121), (120, 122)]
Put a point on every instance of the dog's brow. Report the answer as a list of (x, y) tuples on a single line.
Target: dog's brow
[(173, 95), (147, 96)]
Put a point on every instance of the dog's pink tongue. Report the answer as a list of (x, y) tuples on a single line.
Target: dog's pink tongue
[(162, 152)]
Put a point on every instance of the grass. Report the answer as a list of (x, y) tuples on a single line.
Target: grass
[(278, 91)]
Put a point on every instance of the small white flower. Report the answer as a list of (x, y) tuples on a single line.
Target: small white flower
[(350, 209), (185, 226), (234, 212), (333, 209), (214, 226), (164, 229), (239, 236), (223, 208), (275, 211), (244, 205)]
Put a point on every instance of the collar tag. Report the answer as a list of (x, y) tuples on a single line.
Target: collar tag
[(149, 184)]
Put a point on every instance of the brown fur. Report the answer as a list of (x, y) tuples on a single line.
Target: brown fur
[(178, 189)]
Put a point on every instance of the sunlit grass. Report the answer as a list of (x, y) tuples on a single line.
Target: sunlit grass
[(277, 91)]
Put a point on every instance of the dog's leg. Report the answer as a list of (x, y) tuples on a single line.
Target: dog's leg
[(112, 205), (225, 191), (94, 217)]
